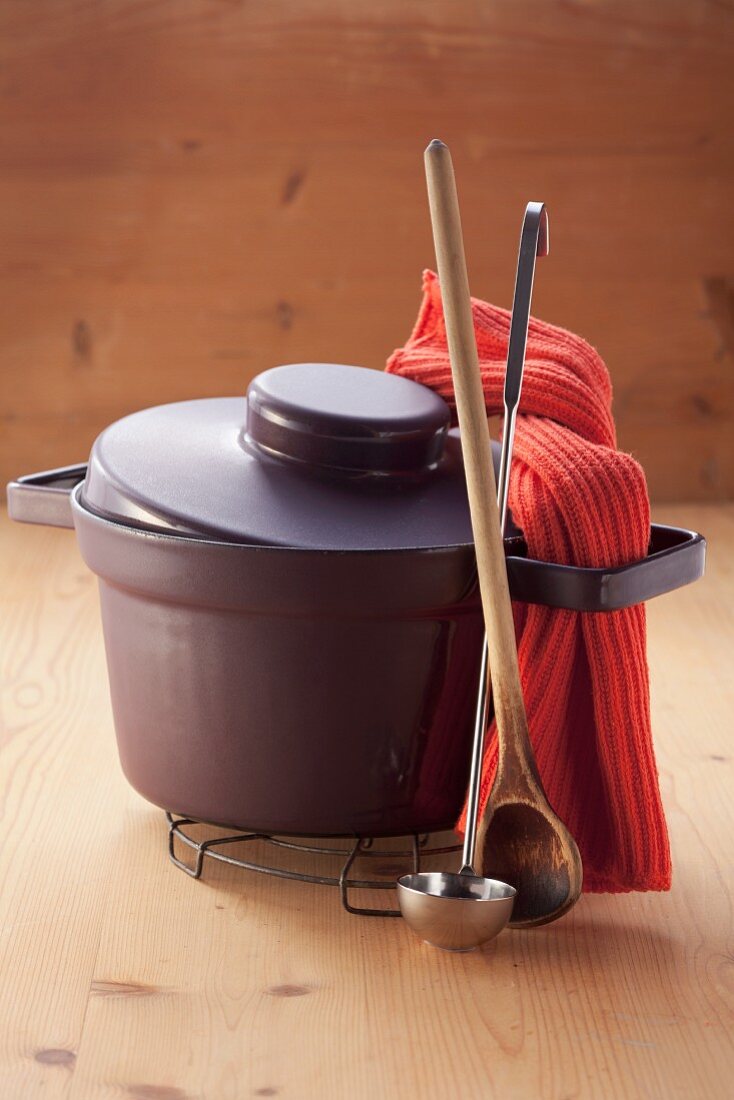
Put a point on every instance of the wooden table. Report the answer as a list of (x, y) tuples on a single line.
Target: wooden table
[(121, 977)]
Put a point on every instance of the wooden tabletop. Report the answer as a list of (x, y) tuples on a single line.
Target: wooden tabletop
[(122, 977)]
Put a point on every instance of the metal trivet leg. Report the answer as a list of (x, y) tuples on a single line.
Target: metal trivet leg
[(201, 847), (363, 846)]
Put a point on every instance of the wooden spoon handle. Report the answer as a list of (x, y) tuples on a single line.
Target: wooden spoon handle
[(475, 444)]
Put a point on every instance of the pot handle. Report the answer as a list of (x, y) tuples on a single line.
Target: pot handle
[(45, 497)]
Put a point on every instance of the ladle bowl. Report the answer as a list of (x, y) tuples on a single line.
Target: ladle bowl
[(456, 912)]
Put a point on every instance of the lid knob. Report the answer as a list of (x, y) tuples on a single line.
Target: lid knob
[(346, 418)]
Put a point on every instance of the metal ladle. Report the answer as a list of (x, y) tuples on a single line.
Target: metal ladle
[(459, 912)]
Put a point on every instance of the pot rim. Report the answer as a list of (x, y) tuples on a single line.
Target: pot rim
[(135, 529)]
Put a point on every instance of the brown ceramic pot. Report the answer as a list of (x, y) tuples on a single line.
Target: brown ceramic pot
[(289, 604)]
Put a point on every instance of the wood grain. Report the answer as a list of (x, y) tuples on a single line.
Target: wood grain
[(193, 191), (123, 978)]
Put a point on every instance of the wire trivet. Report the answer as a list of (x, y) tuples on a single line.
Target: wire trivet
[(362, 846)]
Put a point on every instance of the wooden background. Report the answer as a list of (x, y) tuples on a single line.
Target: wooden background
[(195, 190)]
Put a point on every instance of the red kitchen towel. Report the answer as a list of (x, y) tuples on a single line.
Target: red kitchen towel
[(580, 501)]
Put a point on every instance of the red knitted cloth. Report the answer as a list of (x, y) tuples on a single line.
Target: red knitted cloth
[(578, 501)]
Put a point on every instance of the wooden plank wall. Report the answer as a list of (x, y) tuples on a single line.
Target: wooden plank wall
[(194, 190)]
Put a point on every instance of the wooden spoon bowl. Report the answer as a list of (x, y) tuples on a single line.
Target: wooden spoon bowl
[(520, 837), (528, 846)]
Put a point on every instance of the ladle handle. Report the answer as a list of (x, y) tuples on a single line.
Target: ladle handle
[(475, 775), (475, 443), (533, 243)]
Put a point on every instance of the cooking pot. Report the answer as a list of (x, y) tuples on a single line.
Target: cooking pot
[(289, 602)]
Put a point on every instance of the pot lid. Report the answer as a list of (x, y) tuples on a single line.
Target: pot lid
[(320, 456)]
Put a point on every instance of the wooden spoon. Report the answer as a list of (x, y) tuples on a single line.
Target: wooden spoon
[(521, 840)]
